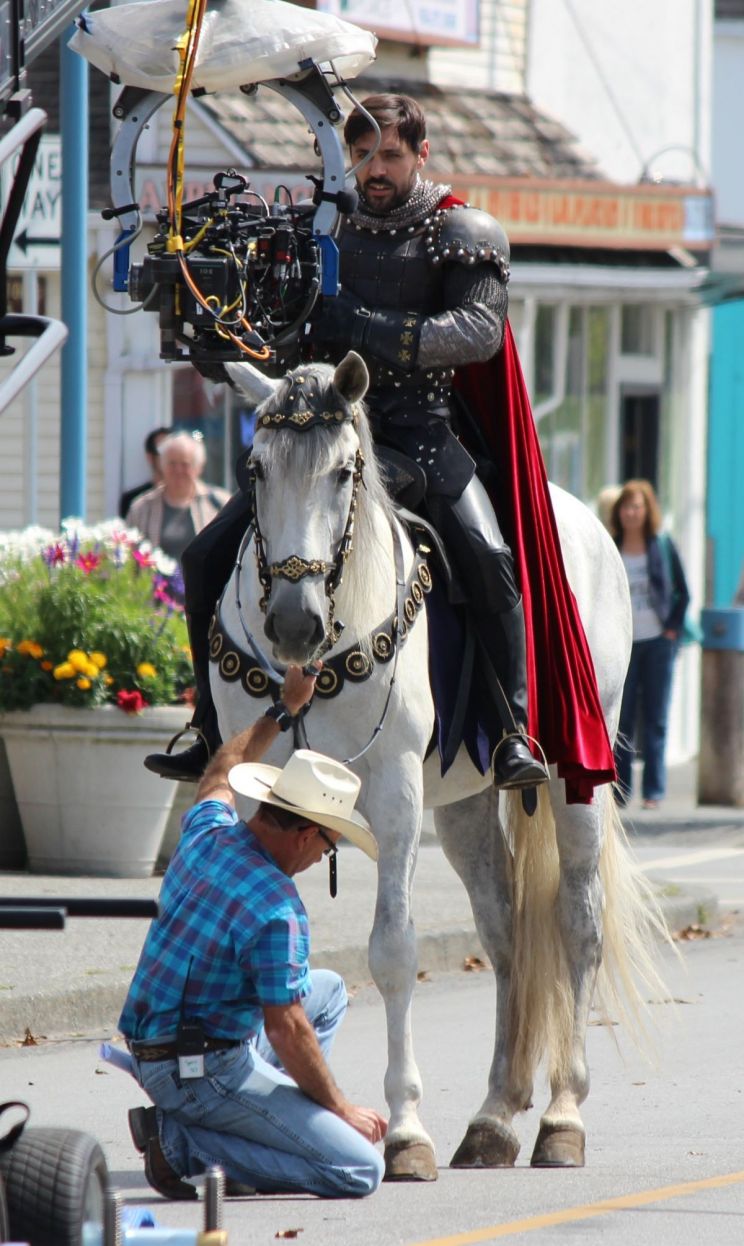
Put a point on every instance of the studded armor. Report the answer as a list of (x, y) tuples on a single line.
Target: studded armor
[(449, 269)]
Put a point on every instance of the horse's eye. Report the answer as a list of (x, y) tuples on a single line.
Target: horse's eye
[(258, 470), (344, 475)]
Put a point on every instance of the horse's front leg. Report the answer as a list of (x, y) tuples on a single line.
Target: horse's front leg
[(472, 839), (395, 814), (561, 1138)]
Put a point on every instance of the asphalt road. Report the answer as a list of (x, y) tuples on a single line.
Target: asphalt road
[(666, 1143)]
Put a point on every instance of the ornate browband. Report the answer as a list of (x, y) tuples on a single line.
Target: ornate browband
[(300, 408), (353, 663)]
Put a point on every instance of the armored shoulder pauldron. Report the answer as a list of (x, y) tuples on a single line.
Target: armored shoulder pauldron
[(467, 236)]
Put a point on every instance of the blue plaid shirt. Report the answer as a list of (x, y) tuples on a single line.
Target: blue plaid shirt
[(230, 913)]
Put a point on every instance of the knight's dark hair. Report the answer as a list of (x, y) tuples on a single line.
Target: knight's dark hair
[(399, 111)]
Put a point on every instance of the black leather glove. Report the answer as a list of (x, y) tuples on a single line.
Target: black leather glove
[(331, 327), (392, 337)]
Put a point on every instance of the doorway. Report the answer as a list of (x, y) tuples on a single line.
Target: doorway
[(640, 412)]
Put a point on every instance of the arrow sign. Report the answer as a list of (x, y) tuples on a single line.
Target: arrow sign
[(24, 240), (37, 242)]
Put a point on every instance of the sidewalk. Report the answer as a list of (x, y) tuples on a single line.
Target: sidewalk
[(74, 981)]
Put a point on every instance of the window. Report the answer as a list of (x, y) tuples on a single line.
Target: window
[(545, 322), (637, 335)]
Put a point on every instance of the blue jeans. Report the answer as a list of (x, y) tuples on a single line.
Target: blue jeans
[(246, 1115), (648, 685)]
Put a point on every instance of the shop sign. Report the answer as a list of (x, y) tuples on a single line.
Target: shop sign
[(572, 214), (594, 214), (418, 21)]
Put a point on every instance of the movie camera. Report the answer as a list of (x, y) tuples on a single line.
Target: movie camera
[(242, 277)]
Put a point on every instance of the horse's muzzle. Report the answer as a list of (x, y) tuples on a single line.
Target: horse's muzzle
[(296, 635)]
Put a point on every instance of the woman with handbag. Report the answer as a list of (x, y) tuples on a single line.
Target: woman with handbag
[(659, 598)]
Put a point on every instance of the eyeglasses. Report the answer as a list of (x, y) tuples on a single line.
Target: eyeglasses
[(332, 848), (331, 852)]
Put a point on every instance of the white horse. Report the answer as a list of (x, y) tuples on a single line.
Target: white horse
[(551, 893)]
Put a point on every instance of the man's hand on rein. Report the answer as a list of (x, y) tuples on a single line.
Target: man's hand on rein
[(298, 688)]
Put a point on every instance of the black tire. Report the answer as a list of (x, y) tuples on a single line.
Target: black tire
[(4, 1222), (54, 1181)]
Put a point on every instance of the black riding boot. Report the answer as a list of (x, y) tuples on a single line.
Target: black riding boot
[(514, 765), (189, 766)]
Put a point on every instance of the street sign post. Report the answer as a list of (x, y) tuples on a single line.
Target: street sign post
[(37, 239)]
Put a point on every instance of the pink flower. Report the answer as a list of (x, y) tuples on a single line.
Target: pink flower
[(131, 702), (142, 560), (88, 562), (53, 555)]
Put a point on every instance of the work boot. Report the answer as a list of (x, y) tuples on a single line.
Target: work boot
[(143, 1126), (513, 764)]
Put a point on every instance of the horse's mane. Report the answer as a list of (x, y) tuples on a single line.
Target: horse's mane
[(310, 453)]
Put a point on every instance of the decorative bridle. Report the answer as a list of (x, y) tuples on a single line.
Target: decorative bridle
[(295, 568), (386, 643)]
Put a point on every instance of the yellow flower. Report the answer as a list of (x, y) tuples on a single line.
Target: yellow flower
[(91, 670), (146, 670), (78, 659), (82, 683), (4, 645), (31, 647), (100, 659), (108, 680), (65, 670)]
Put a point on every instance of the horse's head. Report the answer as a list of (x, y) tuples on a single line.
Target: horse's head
[(311, 450)]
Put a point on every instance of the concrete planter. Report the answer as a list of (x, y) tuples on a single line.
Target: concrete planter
[(87, 805)]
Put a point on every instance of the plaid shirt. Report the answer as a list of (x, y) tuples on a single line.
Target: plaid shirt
[(232, 935)]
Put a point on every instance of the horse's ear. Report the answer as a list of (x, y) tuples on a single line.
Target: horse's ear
[(351, 377), (254, 385)]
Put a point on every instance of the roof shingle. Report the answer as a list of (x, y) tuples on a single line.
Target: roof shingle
[(470, 131)]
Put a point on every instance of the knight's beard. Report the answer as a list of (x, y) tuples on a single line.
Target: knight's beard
[(396, 202)]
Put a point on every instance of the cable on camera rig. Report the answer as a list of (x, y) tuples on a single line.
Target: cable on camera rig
[(230, 276)]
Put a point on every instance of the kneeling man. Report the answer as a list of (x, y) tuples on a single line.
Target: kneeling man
[(228, 1029)]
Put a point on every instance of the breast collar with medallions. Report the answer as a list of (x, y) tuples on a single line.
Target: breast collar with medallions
[(353, 663)]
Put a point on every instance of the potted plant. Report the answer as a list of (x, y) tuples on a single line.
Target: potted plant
[(94, 664)]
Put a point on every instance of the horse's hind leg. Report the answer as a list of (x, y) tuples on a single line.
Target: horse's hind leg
[(409, 1151), (472, 839), (561, 1138)]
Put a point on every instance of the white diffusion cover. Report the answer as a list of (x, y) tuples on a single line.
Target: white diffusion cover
[(241, 42)]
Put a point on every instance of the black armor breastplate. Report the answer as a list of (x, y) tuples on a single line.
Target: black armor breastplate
[(390, 268)]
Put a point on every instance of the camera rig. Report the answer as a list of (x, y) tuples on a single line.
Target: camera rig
[(242, 277)]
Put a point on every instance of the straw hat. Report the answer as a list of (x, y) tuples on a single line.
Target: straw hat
[(313, 786)]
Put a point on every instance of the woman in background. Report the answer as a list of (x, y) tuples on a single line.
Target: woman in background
[(171, 514), (659, 598)]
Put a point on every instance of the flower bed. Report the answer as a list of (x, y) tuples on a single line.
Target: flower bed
[(90, 616)]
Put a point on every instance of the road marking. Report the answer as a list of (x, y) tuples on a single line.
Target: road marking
[(623, 1203), (690, 858)]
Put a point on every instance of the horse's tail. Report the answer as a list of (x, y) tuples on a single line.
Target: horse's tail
[(541, 1004)]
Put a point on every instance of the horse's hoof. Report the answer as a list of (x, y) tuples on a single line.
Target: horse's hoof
[(558, 1146), (486, 1145), (410, 1161)]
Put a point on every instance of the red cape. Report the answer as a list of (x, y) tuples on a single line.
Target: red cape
[(565, 711)]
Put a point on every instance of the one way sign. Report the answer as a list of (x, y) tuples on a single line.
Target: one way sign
[(37, 237)]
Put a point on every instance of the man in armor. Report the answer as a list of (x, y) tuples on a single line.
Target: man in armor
[(423, 291)]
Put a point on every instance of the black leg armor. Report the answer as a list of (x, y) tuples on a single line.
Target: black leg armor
[(484, 560), (206, 564)]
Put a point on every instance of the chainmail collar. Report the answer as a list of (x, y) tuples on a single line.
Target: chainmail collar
[(422, 200)]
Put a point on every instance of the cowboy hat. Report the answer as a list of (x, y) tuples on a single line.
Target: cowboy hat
[(313, 786)]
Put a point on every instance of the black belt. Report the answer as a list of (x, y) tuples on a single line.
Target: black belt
[(167, 1051)]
